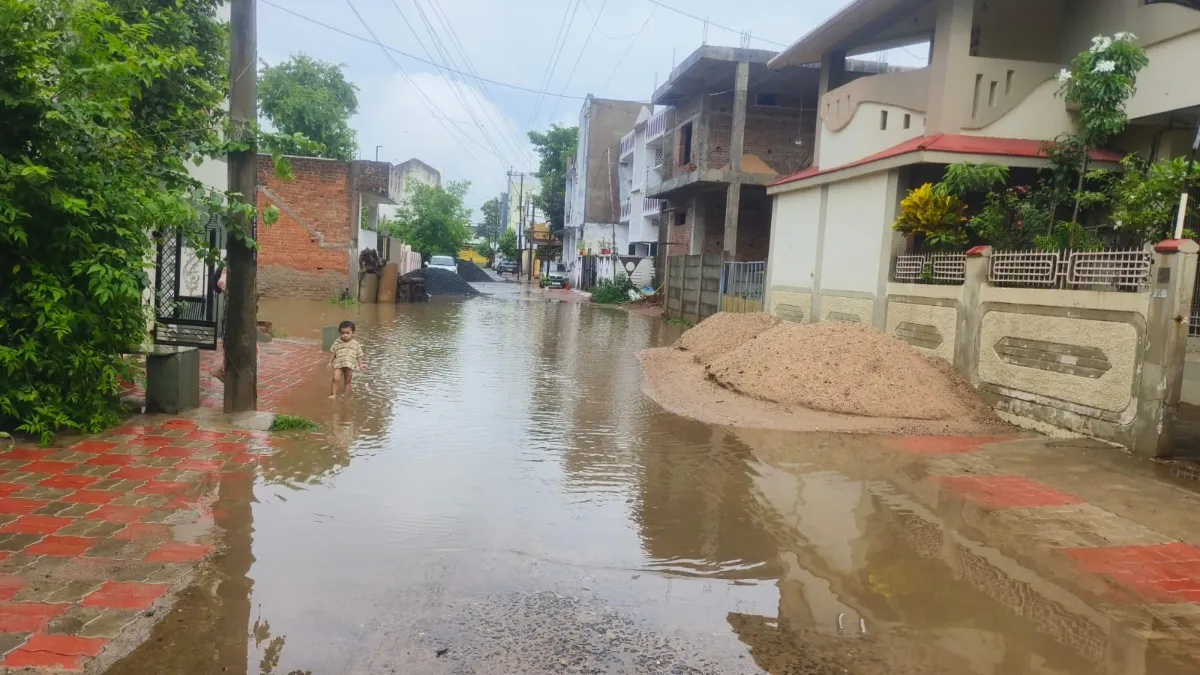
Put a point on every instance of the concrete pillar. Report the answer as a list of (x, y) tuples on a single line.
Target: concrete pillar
[(951, 73), (697, 213), (1165, 347), (970, 316), (833, 75), (737, 144)]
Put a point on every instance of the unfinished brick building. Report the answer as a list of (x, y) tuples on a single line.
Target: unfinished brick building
[(312, 251), (733, 126)]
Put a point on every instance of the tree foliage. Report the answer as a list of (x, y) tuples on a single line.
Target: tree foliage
[(508, 245), (555, 147), (433, 219), (311, 97), (102, 102), (489, 229)]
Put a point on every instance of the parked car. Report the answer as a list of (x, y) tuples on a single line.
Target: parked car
[(443, 262), (556, 274), (507, 267)]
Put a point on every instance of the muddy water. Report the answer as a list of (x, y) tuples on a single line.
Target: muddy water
[(498, 497)]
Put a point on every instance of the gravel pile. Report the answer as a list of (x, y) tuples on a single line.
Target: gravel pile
[(849, 369), (471, 272), (442, 282), (722, 332)]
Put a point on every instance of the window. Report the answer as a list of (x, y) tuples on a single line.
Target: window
[(764, 99), (680, 217), (883, 120), (685, 144), (907, 120)]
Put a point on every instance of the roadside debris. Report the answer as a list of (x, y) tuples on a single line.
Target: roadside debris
[(471, 272), (442, 282)]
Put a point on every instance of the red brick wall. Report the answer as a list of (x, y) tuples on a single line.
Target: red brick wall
[(306, 253)]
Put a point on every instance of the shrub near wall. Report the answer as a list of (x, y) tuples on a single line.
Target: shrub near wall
[(98, 111)]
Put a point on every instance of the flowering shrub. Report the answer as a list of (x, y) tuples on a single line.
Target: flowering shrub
[(1100, 81)]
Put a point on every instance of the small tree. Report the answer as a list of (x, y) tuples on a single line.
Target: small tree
[(508, 245), (313, 98), (433, 219), (1100, 81), (555, 147)]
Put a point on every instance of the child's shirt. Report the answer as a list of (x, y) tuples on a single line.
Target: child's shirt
[(346, 354)]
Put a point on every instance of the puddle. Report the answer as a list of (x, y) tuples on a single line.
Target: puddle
[(498, 496)]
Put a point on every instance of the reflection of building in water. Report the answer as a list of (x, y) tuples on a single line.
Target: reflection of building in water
[(693, 504), (853, 548)]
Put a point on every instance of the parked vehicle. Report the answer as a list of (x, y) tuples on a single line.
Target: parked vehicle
[(556, 273), (507, 267), (443, 262)]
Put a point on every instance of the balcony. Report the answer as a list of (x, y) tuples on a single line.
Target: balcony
[(627, 145), (656, 126), (626, 210), (651, 207)]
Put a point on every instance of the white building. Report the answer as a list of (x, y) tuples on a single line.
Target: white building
[(641, 161), (592, 209)]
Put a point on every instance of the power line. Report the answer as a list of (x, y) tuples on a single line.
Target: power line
[(392, 50), (628, 47), (560, 43), (634, 34), (582, 51), (411, 81), (711, 23)]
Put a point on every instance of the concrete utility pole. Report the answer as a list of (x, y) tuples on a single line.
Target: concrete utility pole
[(737, 138), (520, 217), (241, 314)]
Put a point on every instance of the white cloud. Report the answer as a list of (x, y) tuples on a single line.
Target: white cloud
[(509, 42)]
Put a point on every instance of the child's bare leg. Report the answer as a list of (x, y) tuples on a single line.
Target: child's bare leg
[(337, 380), (347, 377)]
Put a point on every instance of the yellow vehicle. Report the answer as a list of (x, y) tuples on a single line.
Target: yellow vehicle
[(472, 255)]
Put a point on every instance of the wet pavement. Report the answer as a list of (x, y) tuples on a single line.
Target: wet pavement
[(498, 496)]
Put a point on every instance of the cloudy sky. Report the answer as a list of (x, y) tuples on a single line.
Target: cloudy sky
[(473, 131)]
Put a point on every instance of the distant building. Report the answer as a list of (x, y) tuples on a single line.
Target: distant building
[(593, 199)]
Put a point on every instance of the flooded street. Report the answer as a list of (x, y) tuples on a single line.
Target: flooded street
[(498, 496)]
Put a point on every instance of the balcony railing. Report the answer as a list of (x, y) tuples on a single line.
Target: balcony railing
[(651, 207), (656, 126), (627, 144), (626, 210)]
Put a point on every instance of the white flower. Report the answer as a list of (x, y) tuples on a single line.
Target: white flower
[(1105, 66), (1100, 43), (1064, 76), (1125, 36)]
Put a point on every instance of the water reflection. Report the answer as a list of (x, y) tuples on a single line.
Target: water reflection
[(501, 448)]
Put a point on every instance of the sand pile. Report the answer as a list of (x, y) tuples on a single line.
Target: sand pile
[(849, 369), (723, 332)]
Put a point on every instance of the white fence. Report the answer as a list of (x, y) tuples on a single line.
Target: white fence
[(1125, 270), (931, 268)]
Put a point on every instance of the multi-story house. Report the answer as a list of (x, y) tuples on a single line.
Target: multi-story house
[(731, 125), (639, 213), (592, 218), (988, 94)]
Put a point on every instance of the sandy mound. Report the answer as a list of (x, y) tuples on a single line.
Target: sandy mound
[(723, 332), (844, 368)]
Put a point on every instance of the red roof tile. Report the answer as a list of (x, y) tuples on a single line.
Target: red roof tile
[(951, 143)]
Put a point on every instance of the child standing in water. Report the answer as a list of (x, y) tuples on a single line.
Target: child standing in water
[(345, 357)]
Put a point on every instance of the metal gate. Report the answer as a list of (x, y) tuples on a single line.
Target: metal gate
[(587, 273), (742, 286), (190, 320)]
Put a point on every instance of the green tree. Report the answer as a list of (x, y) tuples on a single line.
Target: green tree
[(489, 229), (310, 97), (433, 219), (103, 103), (508, 245), (555, 147)]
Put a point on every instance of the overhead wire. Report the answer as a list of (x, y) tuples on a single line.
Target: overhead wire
[(555, 55), (510, 131), (428, 101), (392, 50), (634, 34), (456, 86), (714, 24), (582, 51), (628, 47)]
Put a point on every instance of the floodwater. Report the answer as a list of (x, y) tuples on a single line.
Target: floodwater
[(499, 497)]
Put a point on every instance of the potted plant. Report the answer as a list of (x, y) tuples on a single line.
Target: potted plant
[(604, 250)]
